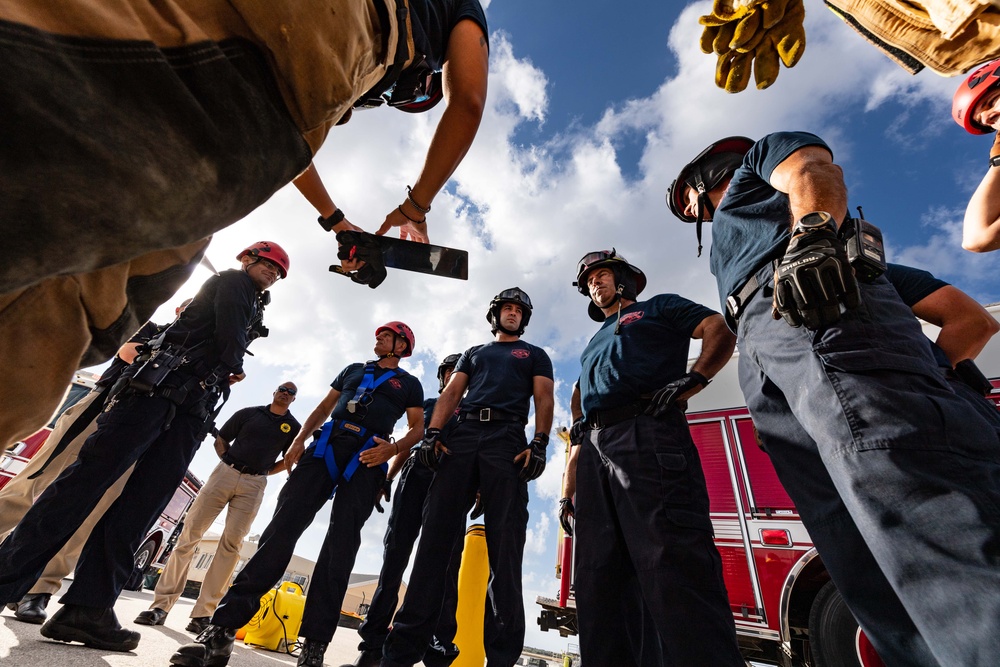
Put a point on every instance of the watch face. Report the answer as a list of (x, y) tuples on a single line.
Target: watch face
[(816, 219), (995, 161)]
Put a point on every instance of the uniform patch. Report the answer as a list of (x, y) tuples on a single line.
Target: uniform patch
[(630, 318), (286, 427), (520, 353), (395, 384)]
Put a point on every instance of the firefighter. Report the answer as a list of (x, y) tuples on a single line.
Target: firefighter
[(156, 422), (863, 429), (644, 536), (487, 451), (400, 536), (348, 459), (61, 448), (184, 121), (248, 445), (976, 107)]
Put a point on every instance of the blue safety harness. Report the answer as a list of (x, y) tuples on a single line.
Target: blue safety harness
[(361, 397)]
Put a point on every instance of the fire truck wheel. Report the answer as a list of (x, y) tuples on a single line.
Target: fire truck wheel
[(835, 640), (143, 557)]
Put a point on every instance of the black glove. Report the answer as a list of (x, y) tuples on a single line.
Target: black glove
[(363, 246), (426, 455), (814, 277), (577, 431), (667, 397), (536, 460), (477, 509), (566, 512), (387, 492)]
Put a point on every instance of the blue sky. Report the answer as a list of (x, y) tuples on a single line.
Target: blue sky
[(592, 111)]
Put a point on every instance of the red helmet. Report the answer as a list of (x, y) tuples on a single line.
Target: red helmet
[(268, 250), (400, 329), (973, 89)]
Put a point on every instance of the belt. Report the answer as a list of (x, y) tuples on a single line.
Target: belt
[(602, 418), (243, 470), (738, 300), (490, 415)]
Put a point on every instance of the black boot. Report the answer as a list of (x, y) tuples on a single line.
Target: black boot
[(198, 624), (31, 608), (154, 616), (311, 654), (367, 658), (96, 628), (212, 648)]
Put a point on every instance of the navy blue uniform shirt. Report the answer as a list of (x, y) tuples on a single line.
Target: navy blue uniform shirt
[(502, 375), (752, 224), (389, 401), (650, 350), (432, 21), (258, 436)]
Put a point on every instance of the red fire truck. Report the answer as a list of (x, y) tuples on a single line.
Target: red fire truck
[(156, 547), (787, 611)]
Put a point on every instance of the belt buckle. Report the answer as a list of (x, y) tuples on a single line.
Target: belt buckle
[(733, 305), (485, 414)]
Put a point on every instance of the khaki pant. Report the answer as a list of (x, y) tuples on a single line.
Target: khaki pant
[(243, 494), (17, 496)]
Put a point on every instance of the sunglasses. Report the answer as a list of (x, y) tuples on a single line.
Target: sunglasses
[(288, 390)]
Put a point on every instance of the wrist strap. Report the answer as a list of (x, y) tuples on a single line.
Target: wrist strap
[(335, 218)]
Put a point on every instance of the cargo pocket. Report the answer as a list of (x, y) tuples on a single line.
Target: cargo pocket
[(675, 483)]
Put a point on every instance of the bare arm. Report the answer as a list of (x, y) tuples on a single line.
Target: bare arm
[(385, 450), (465, 74), (569, 478), (221, 446), (310, 185), (545, 402), (981, 230), (575, 405), (449, 400), (966, 326), (316, 419), (812, 182), (717, 345), (128, 352)]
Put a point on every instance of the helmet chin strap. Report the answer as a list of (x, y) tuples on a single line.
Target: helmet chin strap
[(618, 298), (391, 353), (704, 204)]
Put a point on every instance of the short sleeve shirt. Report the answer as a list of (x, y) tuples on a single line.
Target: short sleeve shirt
[(258, 436), (502, 375), (751, 226), (389, 401), (650, 349), (914, 285), (433, 20)]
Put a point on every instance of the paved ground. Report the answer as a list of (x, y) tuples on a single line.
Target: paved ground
[(22, 646)]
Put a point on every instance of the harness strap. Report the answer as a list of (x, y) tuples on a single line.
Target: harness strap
[(325, 451)]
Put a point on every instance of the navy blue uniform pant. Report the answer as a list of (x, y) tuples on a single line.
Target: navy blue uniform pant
[(134, 430), (306, 491), (896, 477), (482, 458), (400, 536), (644, 550)]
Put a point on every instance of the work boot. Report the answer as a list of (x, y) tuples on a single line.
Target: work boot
[(212, 648), (198, 624), (31, 608), (96, 628), (311, 654), (367, 658), (154, 616)]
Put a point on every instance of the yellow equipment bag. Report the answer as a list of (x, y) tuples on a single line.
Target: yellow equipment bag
[(275, 626)]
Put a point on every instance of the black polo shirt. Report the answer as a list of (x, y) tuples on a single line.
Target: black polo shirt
[(258, 437)]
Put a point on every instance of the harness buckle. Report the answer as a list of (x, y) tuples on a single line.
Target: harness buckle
[(733, 305), (484, 414)]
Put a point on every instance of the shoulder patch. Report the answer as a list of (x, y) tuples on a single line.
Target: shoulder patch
[(631, 317), (521, 353)]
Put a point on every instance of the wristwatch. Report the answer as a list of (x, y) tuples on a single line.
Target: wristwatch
[(995, 161), (814, 220), (328, 223)]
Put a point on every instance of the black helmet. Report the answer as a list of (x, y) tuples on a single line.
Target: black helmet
[(703, 174), (512, 295), (448, 362), (630, 280)]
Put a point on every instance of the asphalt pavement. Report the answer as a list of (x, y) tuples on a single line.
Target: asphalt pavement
[(22, 646)]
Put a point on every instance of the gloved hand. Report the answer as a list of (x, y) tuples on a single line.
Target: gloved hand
[(669, 395), (363, 247), (577, 431), (384, 492), (427, 454), (566, 512), (814, 277), (533, 458), (753, 32), (477, 508)]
